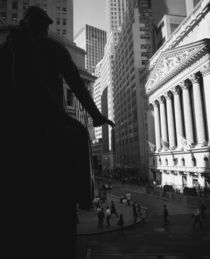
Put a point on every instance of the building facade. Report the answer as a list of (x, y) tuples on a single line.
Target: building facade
[(132, 53), (93, 41), (61, 12), (115, 11), (166, 27), (177, 82)]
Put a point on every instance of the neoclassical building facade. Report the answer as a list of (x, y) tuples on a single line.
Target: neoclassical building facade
[(177, 87)]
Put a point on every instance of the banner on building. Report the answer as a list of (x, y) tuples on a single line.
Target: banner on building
[(83, 117), (151, 146)]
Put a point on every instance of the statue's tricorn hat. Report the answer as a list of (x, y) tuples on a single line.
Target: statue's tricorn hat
[(35, 16)]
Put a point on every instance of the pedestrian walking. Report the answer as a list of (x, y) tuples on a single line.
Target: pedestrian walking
[(202, 208), (135, 211), (101, 217), (113, 209), (124, 201), (165, 215), (139, 213), (121, 223), (98, 209), (108, 216), (96, 201), (196, 216), (128, 198)]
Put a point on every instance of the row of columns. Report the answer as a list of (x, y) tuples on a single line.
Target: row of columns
[(169, 126)]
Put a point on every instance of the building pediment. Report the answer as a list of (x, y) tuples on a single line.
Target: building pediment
[(171, 62)]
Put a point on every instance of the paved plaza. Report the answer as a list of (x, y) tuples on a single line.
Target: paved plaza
[(149, 239)]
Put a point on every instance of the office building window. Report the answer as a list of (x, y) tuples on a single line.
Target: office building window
[(45, 7), (64, 21), (3, 4), (64, 32), (3, 15), (25, 6), (14, 16), (58, 21), (14, 5), (58, 9), (173, 27)]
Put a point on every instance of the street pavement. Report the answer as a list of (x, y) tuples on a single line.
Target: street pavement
[(152, 238)]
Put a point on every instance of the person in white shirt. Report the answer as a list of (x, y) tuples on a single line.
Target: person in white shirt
[(108, 215)]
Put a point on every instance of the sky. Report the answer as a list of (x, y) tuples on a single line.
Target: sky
[(91, 12)]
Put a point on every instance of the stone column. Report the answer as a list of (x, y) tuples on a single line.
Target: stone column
[(206, 85), (199, 112), (178, 117), (187, 112), (170, 117), (157, 126), (163, 120)]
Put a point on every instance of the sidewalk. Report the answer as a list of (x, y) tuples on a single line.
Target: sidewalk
[(88, 220)]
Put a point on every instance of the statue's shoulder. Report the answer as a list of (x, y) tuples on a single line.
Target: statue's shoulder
[(55, 44)]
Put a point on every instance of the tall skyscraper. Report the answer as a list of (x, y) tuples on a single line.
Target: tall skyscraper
[(132, 53), (93, 41), (115, 13), (61, 12), (97, 91)]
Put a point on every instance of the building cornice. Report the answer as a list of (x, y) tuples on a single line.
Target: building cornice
[(172, 62), (205, 149), (182, 31)]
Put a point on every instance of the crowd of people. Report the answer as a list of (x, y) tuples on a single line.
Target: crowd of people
[(125, 175), (106, 214), (105, 211)]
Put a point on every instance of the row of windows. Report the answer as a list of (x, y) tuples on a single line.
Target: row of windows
[(58, 9), (63, 32), (175, 160), (58, 21)]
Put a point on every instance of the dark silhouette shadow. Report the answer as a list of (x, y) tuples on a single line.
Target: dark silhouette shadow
[(46, 152)]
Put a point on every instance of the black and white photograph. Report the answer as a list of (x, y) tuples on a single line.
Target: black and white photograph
[(105, 143)]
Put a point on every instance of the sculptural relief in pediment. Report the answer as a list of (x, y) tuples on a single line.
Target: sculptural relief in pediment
[(169, 62)]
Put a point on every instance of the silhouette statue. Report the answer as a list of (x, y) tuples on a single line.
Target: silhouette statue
[(46, 152)]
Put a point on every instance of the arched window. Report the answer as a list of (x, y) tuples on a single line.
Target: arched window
[(175, 161), (166, 161), (194, 161), (183, 162), (206, 161), (159, 161)]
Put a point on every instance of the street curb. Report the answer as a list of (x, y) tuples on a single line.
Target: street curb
[(112, 230)]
